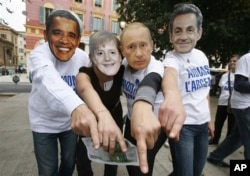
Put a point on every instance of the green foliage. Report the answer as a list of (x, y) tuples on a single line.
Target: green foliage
[(225, 26)]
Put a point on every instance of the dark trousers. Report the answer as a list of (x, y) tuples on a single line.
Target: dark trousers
[(83, 164), (220, 117), (151, 154)]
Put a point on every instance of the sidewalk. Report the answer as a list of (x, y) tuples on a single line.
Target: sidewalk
[(17, 154), (24, 78)]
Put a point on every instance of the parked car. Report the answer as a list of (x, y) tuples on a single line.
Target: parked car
[(20, 70), (4, 71)]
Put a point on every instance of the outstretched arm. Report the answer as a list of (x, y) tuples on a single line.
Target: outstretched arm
[(145, 127), (83, 122), (172, 113), (108, 130)]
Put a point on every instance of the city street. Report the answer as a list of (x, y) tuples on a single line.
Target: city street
[(16, 147), (15, 88)]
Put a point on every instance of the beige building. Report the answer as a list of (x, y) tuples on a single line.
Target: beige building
[(21, 45), (8, 48)]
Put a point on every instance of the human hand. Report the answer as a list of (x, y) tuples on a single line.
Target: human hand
[(145, 128), (83, 122), (211, 129), (172, 115), (109, 133)]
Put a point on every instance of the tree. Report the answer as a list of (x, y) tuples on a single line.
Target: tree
[(225, 25)]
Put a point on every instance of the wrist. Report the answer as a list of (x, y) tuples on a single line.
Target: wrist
[(100, 112), (142, 104)]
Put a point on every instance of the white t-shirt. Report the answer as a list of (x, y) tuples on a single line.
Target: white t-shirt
[(132, 79), (224, 95), (194, 81), (242, 100), (53, 97)]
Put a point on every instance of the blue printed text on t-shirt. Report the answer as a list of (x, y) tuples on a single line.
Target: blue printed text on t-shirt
[(225, 87), (70, 80), (198, 77), (130, 88)]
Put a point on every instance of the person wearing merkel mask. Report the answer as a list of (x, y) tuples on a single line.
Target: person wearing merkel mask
[(100, 87)]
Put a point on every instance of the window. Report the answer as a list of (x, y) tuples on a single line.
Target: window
[(98, 3), (3, 36), (97, 24), (44, 13), (79, 15), (115, 5), (80, 1), (8, 52), (115, 27), (21, 50)]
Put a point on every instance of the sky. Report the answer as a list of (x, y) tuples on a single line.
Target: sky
[(16, 19)]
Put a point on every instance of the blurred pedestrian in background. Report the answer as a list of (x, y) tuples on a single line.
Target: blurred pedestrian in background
[(224, 112)]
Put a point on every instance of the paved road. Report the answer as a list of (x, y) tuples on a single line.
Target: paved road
[(15, 88), (16, 148)]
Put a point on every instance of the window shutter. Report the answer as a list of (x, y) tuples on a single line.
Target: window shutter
[(103, 24), (91, 23), (41, 15)]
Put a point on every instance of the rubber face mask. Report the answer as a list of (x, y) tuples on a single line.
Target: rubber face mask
[(107, 58)]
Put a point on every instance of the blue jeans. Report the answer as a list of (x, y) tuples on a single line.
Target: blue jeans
[(242, 117), (190, 152), (46, 151)]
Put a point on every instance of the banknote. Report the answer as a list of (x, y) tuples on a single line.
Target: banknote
[(119, 158)]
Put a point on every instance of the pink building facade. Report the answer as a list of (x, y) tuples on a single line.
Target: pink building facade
[(95, 14)]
